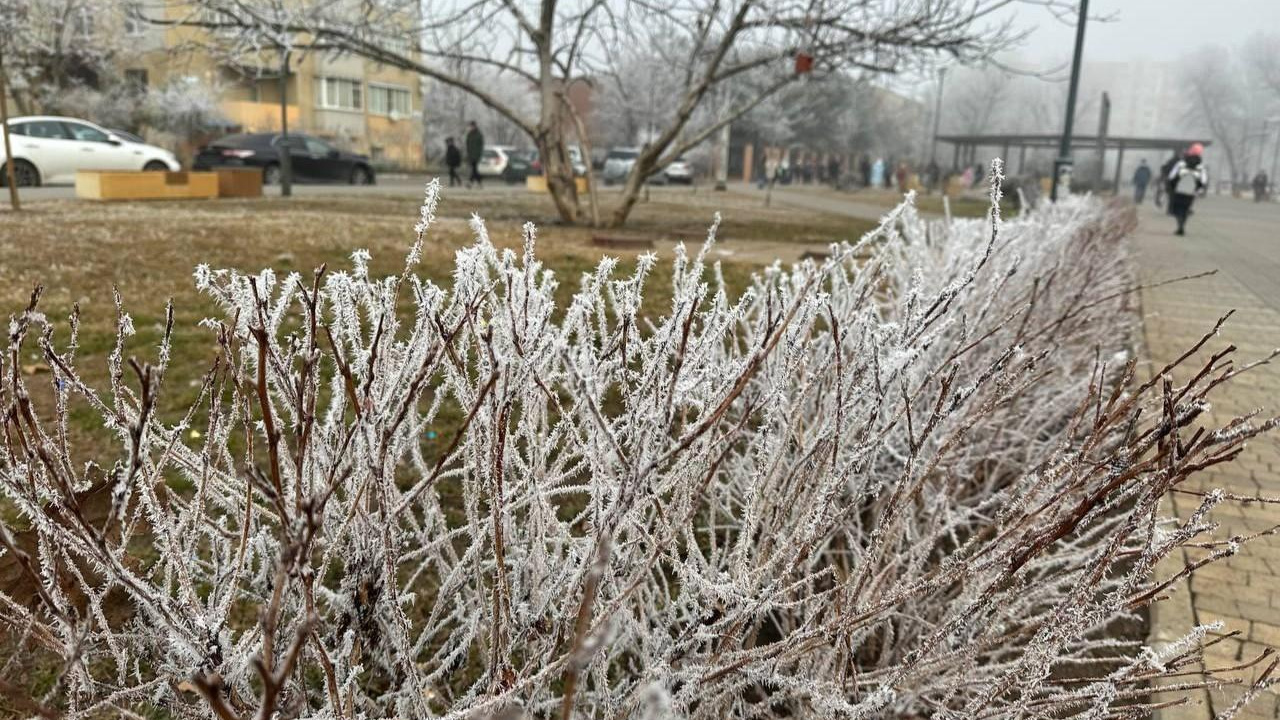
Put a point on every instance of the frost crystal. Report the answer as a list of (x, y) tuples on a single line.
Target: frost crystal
[(905, 482)]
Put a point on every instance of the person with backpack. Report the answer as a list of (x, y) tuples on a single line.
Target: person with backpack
[(1187, 179), (475, 151), (452, 160)]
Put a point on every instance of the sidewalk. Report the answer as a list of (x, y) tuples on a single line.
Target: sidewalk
[(1239, 240), (1242, 241)]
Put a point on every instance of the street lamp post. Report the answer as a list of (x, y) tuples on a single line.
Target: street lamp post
[(286, 162), (1062, 165), (937, 116)]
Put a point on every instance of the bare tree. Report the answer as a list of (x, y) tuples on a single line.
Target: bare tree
[(55, 46), (920, 479), (550, 44)]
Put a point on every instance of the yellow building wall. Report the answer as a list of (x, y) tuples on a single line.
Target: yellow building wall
[(254, 104)]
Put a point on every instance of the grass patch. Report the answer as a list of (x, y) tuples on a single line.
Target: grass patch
[(79, 251)]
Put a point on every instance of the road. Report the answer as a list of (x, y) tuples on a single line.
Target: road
[(387, 185)]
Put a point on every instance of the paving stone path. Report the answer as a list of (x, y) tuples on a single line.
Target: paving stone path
[(1241, 240)]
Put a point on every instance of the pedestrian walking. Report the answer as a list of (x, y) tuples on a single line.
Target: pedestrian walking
[(833, 171), (1187, 179), (878, 176), (904, 174), (864, 169), (1162, 187), (1141, 178), (1260, 182), (475, 151), (452, 160)]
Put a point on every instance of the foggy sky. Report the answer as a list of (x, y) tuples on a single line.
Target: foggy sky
[(1149, 29)]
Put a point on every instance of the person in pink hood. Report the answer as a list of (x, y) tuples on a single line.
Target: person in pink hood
[(1186, 180)]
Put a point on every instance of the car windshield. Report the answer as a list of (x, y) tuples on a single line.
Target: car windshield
[(127, 136), (622, 155)]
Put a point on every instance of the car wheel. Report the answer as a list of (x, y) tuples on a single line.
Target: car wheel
[(361, 176), (24, 174), (155, 166), (271, 174)]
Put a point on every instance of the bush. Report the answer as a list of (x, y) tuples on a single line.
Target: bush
[(917, 479)]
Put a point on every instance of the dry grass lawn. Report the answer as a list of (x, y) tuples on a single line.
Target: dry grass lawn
[(79, 251)]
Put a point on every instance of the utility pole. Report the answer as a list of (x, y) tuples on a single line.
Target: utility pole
[(937, 116), (1062, 165), (10, 173), (1275, 156), (286, 162), (1104, 122)]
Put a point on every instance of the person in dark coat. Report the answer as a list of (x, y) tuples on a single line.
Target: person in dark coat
[(1260, 183), (1187, 179), (475, 151), (452, 160), (1141, 178), (864, 169), (1162, 187)]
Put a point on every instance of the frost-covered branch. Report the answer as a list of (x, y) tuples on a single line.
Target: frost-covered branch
[(920, 478)]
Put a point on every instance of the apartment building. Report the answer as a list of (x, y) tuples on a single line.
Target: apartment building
[(357, 104)]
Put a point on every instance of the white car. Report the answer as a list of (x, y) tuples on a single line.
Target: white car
[(679, 171), (48, 149), (493, 161)]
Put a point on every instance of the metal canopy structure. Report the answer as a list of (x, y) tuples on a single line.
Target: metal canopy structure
[(966, 146)]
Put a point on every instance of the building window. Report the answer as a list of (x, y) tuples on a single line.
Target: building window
[(82, 24), (135, 23), (396, 45), (339, 93), (136, 79), (389, 100)]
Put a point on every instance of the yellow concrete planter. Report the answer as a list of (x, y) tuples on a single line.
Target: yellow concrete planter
[(143, 185), (239, 182), (538, 183)]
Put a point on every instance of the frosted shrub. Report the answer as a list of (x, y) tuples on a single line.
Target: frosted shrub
[(920, 478)]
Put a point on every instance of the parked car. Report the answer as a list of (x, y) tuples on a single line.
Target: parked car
[(127, 136), (618, 164), (49, 149), (520, 165), (311, 159), (493, 161), (575, 158), (679, 171)]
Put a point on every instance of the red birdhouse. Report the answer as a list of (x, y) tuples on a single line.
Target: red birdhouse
[(804, 63)]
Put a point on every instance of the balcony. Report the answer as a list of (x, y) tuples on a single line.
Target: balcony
[(257, 116)]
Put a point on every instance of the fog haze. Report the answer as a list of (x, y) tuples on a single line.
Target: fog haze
[(1149, 29)]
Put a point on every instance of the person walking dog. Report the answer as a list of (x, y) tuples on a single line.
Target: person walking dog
[(1187, 179)]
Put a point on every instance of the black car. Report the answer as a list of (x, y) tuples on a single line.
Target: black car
[(312, 159), (520, 165)]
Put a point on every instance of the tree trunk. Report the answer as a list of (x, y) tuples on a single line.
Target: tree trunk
[(631, 191), (558, 170), (584, 146), (10, 171)]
